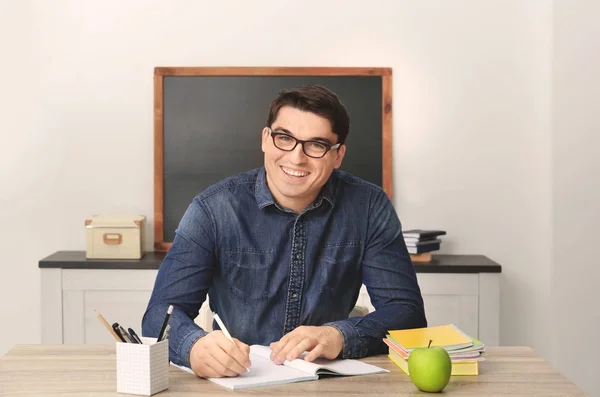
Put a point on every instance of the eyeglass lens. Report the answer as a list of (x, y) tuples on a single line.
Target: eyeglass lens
[(311, 148)]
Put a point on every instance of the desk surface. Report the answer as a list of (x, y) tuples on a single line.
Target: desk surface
[(90, 370), (152, 260)]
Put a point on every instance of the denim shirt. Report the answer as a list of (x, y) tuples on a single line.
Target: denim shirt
[(268, 270)]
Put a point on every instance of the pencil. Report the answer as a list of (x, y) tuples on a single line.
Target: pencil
[(108, 327), (165, 322)]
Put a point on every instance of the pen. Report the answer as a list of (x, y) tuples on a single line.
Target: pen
[(222, 326), (164, 325), (134, 335), (115, 327), (227, 334), (107, 325), (127, 337)]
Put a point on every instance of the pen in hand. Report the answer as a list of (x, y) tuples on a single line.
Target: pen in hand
[(227, 334), (222, 326)]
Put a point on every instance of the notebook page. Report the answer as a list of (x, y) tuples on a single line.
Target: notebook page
[(346, 367), (299, 363), (263, 372), (261, 351), (323, 365)]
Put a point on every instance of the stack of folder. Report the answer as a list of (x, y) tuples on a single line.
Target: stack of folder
[(420, 243), (464, 351)]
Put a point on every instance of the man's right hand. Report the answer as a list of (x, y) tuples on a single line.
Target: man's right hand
[(215, 356)]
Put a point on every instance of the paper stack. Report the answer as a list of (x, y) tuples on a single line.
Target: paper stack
[(464, 351)]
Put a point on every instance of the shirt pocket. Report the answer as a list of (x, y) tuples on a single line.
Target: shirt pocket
[(248, 273), (340, 265)]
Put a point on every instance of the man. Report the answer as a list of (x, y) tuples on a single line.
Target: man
[(282, 252)]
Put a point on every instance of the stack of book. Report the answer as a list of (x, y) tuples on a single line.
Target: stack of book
[(465, 352), (421, 243)]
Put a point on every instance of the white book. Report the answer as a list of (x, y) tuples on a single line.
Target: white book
[(264, 372)]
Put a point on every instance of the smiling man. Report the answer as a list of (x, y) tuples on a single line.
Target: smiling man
[(282, 252)]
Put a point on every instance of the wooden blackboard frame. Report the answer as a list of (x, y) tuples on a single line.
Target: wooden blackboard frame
[(160, 72)]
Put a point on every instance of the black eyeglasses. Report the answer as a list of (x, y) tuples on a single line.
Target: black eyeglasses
[(314, 149)]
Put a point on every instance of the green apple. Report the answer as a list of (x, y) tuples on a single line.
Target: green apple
[(430, 368)]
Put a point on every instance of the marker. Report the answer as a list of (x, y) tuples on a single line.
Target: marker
[(164, 325), (227, 334)]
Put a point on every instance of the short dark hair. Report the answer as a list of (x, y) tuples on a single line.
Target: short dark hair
[(314, 99)]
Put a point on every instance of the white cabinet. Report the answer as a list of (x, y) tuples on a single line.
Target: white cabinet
[(470, 301), (70, 296)]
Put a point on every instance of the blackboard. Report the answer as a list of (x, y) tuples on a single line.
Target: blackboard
[(208, 124)]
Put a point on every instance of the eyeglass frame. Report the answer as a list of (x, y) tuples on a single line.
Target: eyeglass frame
[(327, 145)]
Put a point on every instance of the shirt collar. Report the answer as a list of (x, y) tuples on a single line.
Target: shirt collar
[(328, 192), (261, 190), (264, 197)]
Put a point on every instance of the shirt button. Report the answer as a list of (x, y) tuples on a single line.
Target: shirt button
[(298, 256), (294, 294)]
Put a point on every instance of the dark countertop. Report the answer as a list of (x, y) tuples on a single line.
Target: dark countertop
[(152, 260)]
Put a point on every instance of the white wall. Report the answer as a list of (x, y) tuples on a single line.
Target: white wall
[(21, 167), (576, 190), (472, 122)]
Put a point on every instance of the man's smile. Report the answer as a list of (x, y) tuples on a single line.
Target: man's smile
[(294, 173)]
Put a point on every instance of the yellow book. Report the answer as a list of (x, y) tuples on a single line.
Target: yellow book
[(448, 336), (458, 369)]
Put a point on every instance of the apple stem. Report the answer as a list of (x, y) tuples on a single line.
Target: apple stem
[(429, 343)]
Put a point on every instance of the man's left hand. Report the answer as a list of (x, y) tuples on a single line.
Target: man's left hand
[(323, 341)]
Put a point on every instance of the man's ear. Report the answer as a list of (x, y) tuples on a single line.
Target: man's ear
[(339, 156), (265, 138)]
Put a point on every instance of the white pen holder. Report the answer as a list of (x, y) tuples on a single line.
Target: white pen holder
[(143, 368)]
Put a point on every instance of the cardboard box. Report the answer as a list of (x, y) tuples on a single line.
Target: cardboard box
[(114, 236)]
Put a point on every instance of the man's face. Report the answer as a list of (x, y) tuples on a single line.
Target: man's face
[(295, 179)]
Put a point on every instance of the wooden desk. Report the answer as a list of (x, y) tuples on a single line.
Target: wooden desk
[(90, 370)]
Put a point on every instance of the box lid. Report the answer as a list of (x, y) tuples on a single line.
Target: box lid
[(122, 221)]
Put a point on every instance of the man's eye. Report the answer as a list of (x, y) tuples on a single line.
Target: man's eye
[(317, 146), (285, 138)]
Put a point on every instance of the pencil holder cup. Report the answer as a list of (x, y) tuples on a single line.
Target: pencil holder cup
[(143, 368)]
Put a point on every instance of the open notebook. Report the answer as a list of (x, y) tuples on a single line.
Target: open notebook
[(265, 372)]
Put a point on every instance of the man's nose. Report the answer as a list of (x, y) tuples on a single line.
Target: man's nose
[(297, 155)]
